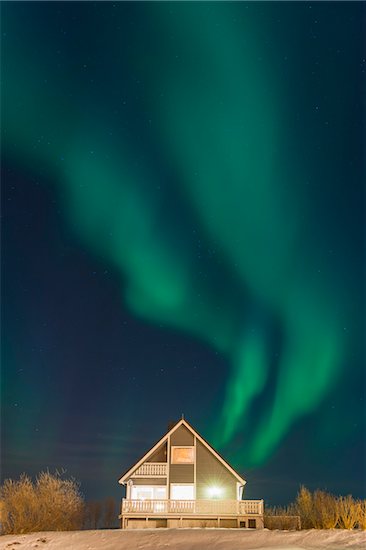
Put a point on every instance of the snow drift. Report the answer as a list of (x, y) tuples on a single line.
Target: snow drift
[(187, 539)]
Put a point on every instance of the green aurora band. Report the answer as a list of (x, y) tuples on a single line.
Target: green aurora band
[(211, 131)]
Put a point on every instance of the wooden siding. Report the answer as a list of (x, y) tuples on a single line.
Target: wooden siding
[(181, 436), (159, 455), (211, 472), (181, 473), (149, 480)]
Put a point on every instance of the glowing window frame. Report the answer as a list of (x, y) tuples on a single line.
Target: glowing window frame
[(173, 447)]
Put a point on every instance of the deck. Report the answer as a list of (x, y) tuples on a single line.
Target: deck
[(140, 514), (209, 507)]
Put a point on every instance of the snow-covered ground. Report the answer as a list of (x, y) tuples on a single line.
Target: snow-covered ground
[(187, 539)]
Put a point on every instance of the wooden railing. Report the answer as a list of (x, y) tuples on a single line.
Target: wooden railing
[(251, 507), (151, 469), (199, 507)]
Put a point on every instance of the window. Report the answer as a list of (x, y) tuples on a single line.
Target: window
[(182, 455), (148, 492), (181, 491)]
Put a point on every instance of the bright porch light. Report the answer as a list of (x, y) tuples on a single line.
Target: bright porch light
[(214, 492)]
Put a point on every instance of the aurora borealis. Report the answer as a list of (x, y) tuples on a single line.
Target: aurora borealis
[(183, 213)]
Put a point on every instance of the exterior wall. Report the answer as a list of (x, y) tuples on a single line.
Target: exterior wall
[(198, 523), (186, 522), (229, 523), (160, 454), (181, 473), (133, 523), (182, 436), (211, 472), (149, 480)]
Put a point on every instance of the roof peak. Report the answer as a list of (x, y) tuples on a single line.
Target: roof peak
[(184, 422)]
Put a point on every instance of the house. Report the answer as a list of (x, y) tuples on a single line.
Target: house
[(183, 482)]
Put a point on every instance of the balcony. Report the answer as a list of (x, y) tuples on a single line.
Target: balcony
[(207, 507), (151, 469)]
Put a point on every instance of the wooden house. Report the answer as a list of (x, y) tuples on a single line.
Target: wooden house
[(183, 482)]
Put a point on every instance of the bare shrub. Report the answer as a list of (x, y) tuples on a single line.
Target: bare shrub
[(93, 514), (110, 514), (277, 510), (322, 510), (325, 510), (361, 514), (60, 502), (287, 523), (348, 512), (19, 512), (49, 504), (304, 508)]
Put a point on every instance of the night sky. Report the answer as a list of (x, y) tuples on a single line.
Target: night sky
[(183, 232)]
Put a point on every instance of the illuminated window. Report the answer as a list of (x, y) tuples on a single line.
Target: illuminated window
[(148, 492), (181, 491), (182, 455)]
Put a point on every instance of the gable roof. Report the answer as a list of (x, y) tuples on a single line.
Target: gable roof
[(181, 422)]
